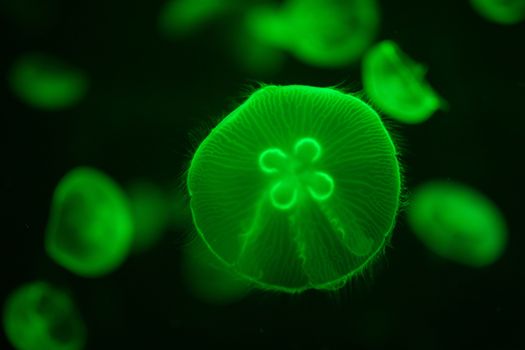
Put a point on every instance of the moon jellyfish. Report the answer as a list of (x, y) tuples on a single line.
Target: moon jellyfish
[(45, 82), (90, 227), (38, 316), (150, 210), (501, 11), (297, 188), (324, 33), (397, 85), (457, 223), (208, 279)]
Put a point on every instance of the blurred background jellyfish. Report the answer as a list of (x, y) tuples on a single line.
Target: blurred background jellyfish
[(396, 84), (253, 51), (46, 82), (90, 229), (297, 188), (208, 279), (183, 17), (500, 11), (38, 316), (457, 223), (323, 33), (150, 212)]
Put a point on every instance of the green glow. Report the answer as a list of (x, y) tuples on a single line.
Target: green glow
[(90, 228), (296, 174), (38, 316), (181, 17), (297, 188), (325, 33), (397, 85), (208, 279), (458, 223), (45, 82), (150, 214), (253, 51), (501, 11)]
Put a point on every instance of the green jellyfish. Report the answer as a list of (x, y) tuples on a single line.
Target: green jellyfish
[(45, 82), (208, 279), (253, 52), (181, 17), (397, 86), (90, 228), (38, 316), (324, 33), (150, 213), (501, 11), (457, 223), (297, 188)]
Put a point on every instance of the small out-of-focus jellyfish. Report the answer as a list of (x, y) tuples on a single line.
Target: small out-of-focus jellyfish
[(182, 17), (297, 188), (38, 316), (501, 11), (252, 50), (458, 223), (90, 229), (208, 279), (150, 212), (396, 84), (324, 33), (45, 82)]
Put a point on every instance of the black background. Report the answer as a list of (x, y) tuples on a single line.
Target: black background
[(148, 94)]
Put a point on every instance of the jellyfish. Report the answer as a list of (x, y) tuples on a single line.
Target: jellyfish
[(150, 213), (39, 316), (207, 279), (396, 84), (323, 33), (297, 188), (457, 223), (253, 51), (182, 17), (505, 12), (46, 82), (90, 227)]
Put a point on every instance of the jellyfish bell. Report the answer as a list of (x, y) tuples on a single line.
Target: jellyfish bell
[(505, 12), (46, 82), (457, 223), (297, 188), (90, 229), (323, 33), (397, 86), (332, 33), (39, 316)]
